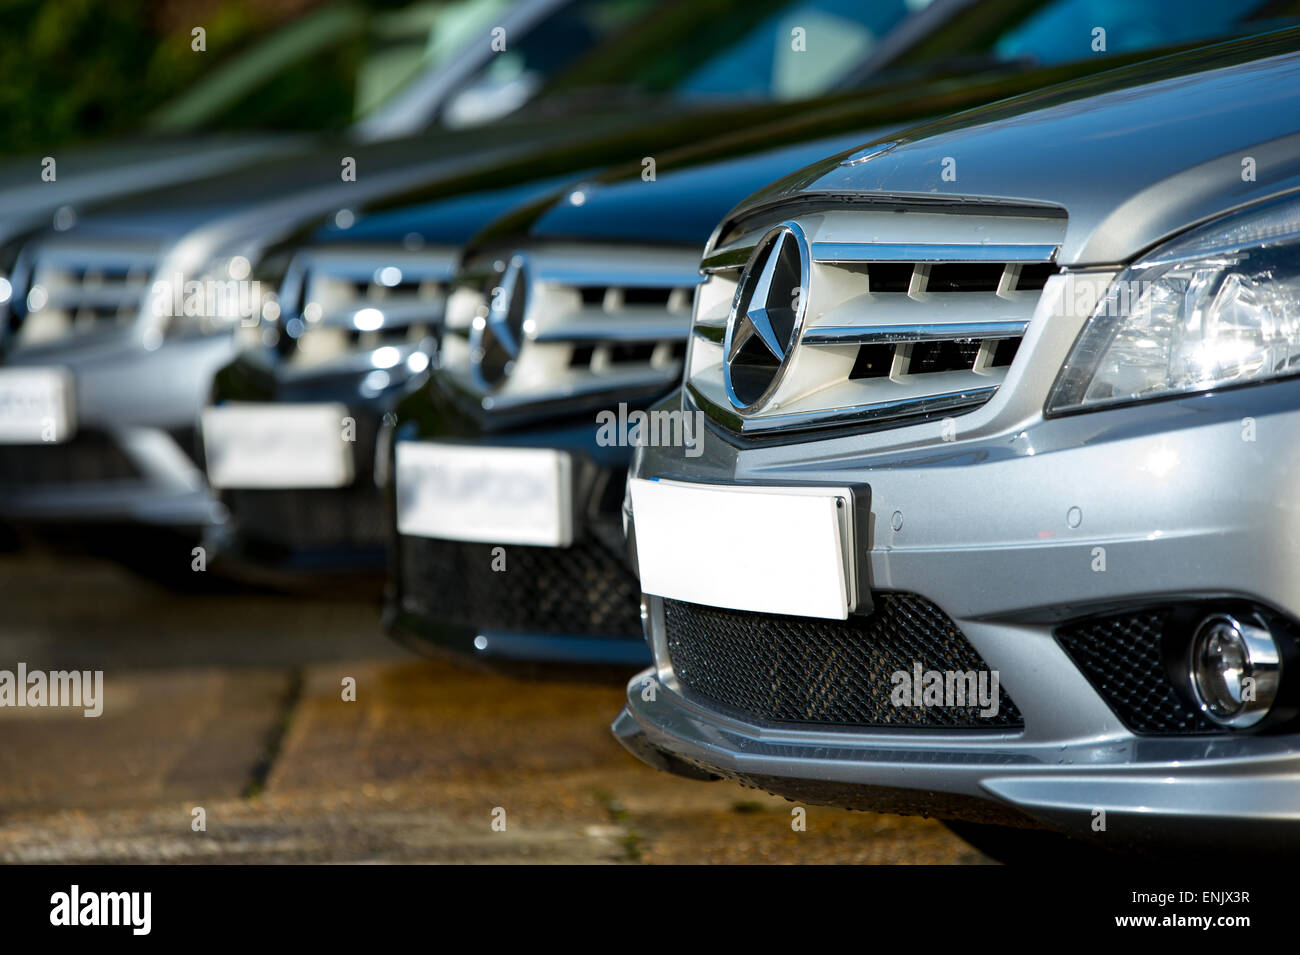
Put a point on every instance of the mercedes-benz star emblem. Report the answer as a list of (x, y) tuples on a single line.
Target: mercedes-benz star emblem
[(766, 316), (495, 339)]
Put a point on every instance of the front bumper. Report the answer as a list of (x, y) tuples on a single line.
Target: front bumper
[(309, 530), (1012, 534), (575, 604), (134, 458), (1238, 794)]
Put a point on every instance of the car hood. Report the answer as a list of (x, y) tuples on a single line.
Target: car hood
[(444, 185), (681, 205), (694, 187), (1132, 155), (450, 221), (261, 201), (90, 175)]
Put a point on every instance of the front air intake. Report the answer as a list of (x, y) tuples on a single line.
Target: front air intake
[(771, 668)]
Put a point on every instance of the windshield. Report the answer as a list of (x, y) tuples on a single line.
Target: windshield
[(1046, 32), (1065, 31), (758, 49), (330, 67), (348, 61)]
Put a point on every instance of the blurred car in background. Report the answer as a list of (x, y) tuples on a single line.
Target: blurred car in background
[(289, 436), (109, 363), (370, 73), (568, 320), (203, 230), (508, 542), (100, 300), (346, 343), (962, 540)]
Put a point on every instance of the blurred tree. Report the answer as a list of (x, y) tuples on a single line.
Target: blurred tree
[(86, 69)]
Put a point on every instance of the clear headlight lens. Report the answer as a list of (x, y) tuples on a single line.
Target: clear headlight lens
[(1216, 307)]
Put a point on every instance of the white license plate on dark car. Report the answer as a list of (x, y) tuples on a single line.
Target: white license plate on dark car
[(786, 550), (36, 405), (248, 445), (496, 495)]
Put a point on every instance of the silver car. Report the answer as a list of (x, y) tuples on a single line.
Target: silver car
[(994, 517)]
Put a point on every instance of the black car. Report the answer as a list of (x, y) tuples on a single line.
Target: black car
[(290, 431), (568, 320), (392, 260)]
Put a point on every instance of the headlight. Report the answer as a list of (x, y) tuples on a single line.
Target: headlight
[(1216, 307)]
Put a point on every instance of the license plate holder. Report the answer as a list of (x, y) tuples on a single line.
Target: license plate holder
[(268, 446), (498, 495), (37, 405), (761, 548)]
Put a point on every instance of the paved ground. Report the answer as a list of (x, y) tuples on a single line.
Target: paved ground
[(232, 702)]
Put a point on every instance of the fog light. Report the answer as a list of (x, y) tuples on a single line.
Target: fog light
[(1235, 670)]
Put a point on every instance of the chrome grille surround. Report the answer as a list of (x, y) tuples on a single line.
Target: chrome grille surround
[(338, 304), (568, 321), (905, 313), (64, 288)]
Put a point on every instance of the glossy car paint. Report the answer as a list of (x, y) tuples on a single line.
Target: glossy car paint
[(245, 209), (980, 524), (695, 185), (242, 212)]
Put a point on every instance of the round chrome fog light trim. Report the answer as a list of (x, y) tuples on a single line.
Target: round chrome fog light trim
[(1234, 668)]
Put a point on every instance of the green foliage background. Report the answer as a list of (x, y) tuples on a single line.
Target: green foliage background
[(77, 70)]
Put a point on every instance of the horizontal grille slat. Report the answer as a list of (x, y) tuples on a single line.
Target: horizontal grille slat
[(842, 252)]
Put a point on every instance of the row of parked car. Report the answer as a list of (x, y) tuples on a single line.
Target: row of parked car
[(933, 484)]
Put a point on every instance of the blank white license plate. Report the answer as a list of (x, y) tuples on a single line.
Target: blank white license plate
[(782, 550), (36, 405), (488, 495), (253, 446)]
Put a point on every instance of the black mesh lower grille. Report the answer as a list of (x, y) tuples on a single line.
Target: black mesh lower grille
[(272, 522), (787, 669), (1121, 657), (586, 589), (89, 457), (275, 524)]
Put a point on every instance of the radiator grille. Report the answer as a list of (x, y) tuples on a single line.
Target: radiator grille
[(561, 322), (338, 302), (65, 288), (869, 315), (274, 523), (89, 457)]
